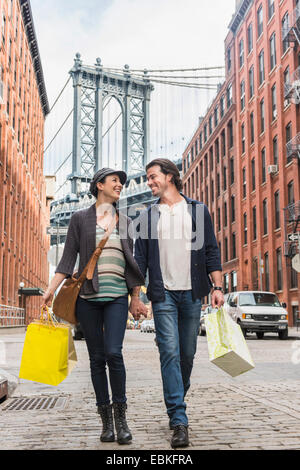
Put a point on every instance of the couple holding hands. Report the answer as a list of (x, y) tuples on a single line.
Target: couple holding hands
[(176, 244)]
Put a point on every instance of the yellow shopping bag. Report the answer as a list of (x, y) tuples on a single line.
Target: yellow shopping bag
[(227, 347), (48, 354)]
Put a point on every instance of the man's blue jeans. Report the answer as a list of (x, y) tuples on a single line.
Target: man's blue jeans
[(177, 324)]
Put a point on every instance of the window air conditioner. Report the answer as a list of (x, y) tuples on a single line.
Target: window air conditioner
[(272, 169)]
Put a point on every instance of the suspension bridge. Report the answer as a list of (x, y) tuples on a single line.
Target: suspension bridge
[(120, 118)]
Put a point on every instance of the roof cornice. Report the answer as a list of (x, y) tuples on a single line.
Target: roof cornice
[(239, 15), (34, 50)]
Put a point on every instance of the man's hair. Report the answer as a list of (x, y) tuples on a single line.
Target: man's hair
[(167, 167)]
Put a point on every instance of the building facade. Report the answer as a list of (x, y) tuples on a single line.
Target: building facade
[(24, 213), (255, 203)]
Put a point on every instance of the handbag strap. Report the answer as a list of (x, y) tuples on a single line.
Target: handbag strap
[(89, 269)]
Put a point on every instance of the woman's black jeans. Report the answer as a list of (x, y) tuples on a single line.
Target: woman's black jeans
[(103, 325)]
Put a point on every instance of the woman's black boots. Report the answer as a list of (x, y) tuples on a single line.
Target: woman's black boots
[(107, 435), (123, 434)]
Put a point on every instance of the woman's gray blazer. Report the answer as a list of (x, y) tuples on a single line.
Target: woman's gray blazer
[(81, 238)]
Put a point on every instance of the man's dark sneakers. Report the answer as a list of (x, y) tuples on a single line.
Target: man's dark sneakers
[(180, 436)]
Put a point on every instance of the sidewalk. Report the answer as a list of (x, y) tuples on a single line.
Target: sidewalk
[(223, 414)]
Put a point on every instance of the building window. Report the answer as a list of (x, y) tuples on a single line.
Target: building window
[(205, 133), (265, 216), (267, 272), (231, 170), (285, 28), (263, 165), (288, 136), (277, 209), (261, 65), (205, 165), (210, 124), (262, 116), (223, 143), (226, 283), (275, 150), (201, 172), (250, 37), (255, 273), (254, 223), (225, 214), (233, 246), (272, 51), (228, 59), (251, 82), (225, 249), (271, 8), (241, 49), (222, 106), (217, 150), (242, 88), (8, 100), (243, 138), (252, 127), (201, 143), (286, 81), (230, 134), (253, 173), (224, 178), (229, 96), (260, 21), (244, 182), (274, 102), (279, 269), (232, 209), (218, 185), (290, 189), (219, 219), (245, 229), (233, 276), (3, 28), (216, 116)]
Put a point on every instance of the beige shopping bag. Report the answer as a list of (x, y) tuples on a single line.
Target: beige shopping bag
[(227, 347)]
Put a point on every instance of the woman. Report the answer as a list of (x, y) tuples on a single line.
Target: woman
[(102, 305)]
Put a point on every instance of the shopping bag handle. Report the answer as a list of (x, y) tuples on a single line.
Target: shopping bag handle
[(49, 316)]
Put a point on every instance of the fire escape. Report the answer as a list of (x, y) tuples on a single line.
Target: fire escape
[(291, 221), (291, 31)]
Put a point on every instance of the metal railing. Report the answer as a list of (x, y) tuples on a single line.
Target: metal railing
[(294, 26), (293, 84), (293, 147), (11, 316)]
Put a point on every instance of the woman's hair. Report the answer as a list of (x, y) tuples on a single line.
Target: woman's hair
[(167, 167)]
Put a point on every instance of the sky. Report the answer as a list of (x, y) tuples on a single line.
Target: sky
[(143, 34)]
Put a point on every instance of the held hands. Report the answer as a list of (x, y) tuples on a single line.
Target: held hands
[(137, 308), (217, 299)]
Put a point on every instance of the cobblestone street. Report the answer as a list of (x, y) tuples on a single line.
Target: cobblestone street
[(257, 410)]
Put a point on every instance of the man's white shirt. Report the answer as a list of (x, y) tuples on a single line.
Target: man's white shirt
[(174, 239)]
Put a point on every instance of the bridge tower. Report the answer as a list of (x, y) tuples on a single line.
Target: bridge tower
[(93, 86)]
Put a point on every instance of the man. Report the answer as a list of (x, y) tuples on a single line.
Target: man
[(176, 243)]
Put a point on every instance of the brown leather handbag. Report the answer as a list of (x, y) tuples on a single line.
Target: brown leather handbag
[(64, 305)]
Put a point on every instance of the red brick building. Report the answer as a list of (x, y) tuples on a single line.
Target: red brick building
[(252, 183), (24, 214)]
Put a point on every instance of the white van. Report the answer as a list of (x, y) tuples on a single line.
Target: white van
[(258, 312)]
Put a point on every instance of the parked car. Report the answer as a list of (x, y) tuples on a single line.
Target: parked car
[(206, 311), (147, 326), (259, 312)]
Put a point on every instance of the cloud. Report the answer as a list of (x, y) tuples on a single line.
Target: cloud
[(138, 32)]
